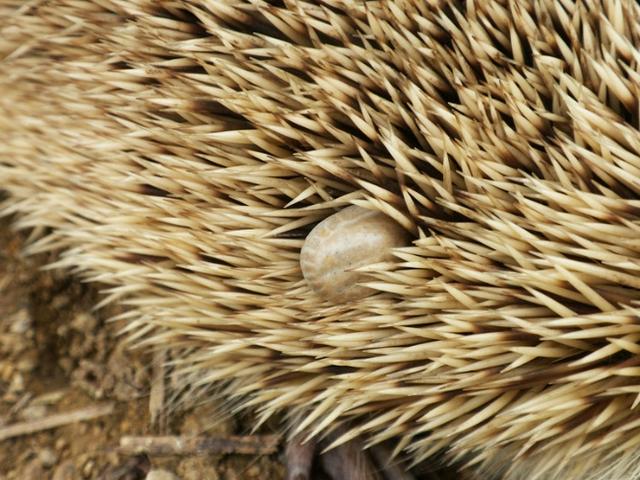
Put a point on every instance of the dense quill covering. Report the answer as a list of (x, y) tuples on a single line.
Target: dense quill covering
[(179, 151)]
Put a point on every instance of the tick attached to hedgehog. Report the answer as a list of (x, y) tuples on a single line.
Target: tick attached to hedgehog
[(179, 152)]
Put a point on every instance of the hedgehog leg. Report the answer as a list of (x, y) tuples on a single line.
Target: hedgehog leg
[(348, 461), (299, 458)]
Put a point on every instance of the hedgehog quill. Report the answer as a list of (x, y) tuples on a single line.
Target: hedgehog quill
[(180, 152)]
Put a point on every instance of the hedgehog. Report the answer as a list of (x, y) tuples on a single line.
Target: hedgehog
[(181, 153)]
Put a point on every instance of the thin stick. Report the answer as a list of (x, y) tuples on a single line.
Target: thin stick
[(54, 421), (157, 394), (178, 445)]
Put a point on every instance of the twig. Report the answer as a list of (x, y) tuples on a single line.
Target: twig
[(157, 394), (178, 445), (16, 407), (54, 421)]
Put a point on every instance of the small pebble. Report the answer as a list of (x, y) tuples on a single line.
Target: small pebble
[(161, 475), (21, 322), (34, 412), (197, 468), (61, 444), (17, 384), (6, 371), (87, 468), (47, 457), (253, 472), (84, 322), (60, 301)]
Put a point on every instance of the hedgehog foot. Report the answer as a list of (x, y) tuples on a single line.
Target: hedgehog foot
[(347, 461)]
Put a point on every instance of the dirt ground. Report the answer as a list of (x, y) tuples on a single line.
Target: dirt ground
[(60, 360)]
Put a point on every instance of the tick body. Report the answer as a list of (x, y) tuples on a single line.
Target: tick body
[(344, 242)]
